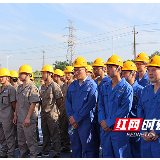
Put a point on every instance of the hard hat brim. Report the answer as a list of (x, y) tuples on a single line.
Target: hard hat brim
[(107, 63)]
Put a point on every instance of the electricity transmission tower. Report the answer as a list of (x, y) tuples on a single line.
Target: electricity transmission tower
[(71, 54)]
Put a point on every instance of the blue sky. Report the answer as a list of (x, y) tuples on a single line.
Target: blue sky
[(102, 29)]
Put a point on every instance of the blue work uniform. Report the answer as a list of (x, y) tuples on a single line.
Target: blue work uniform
[(144, 81), (104, 80), (135, 142), (114, 103), (97, 125), (80, 100), (149, 108)]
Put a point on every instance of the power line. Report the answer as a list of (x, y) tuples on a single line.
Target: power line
[(63, 42), (148, 43), (78, 53), (79, 44), (103, 39)]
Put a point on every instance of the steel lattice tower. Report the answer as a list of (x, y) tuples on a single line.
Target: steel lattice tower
[(71, 54)]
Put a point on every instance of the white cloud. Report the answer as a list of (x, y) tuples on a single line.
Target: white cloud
[(57, 37)]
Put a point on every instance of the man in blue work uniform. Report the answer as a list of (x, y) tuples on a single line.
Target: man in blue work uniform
[(141, 62), (129, 73), (149, 109), (115, 101), (98, 70), (80, 100)]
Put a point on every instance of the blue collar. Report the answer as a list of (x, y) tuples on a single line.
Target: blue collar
[(144, 77)]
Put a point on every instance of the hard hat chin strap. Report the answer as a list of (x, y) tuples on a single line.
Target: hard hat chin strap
[(130, 75), (114, 73), (155, 83), (5, 81), (99, 75), (25, 77), (47, 77)]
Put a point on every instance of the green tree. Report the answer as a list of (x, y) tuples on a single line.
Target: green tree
[(153, 54), (129, 60), (60, 65), (37, 80), (90, 63), (37, 73)]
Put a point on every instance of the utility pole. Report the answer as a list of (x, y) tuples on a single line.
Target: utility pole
[(43, 58), (71, 54), (7, 60), (134, 45)]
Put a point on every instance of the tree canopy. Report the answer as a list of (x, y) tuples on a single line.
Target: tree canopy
[(60, 65)]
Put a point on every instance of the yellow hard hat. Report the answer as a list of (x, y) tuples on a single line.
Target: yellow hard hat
[(69, 69), (4, 72), (47, 68), (129, 66), (90, 69), (154, 62), (142, 57), (25, 69), (14, 74), (115, 60), (98, 62), (80, 62), (58, 72)]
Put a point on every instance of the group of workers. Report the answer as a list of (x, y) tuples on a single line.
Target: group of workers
[(79, 108)]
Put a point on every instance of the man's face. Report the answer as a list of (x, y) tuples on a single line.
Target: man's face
[(111, 69), (80, 72), (3, 79), (44, 75), (97, 71), (153, 74), (126, 74), (55, 77), (22, 76), (140, 66), (68, 75)]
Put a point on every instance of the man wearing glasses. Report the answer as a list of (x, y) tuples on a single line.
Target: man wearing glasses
[(80, 100), (141, 62)]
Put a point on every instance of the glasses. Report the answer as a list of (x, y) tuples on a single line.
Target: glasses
[(96, 69), (138, 64), (78, 70), (110, 66), (21, 73)]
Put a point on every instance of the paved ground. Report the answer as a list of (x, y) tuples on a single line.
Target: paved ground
[(63, 155)]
